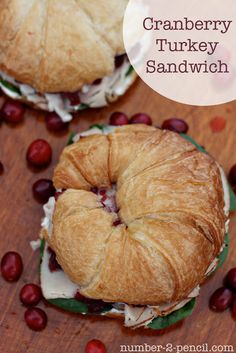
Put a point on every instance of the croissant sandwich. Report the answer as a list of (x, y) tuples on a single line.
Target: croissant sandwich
[(63, 55), (139, 221)]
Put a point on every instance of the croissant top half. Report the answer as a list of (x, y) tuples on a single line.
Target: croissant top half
[(170, 201), (60, 45)]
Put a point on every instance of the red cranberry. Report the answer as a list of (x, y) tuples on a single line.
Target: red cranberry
[(221, 299), (232, 175), (54, 123), (11, 266), (30, 294), (119, 118), (95, 346), (217, 124), (119, 60), (43, 189), (39, 153), (36, 319), (230, 279), (53, 263), (13, 111), (233, 309), (73, 97), (176, 125), (1, 168), (141, 118)]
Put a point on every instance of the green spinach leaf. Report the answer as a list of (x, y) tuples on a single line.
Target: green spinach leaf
[(11, 87), (72, 305), (160, 323)]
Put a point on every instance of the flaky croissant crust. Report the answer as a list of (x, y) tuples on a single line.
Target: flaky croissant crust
[(170, 199), (60, 45)]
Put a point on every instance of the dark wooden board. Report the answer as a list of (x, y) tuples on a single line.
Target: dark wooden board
[(20, 223)]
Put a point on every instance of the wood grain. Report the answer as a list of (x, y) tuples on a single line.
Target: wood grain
[(20, 223)]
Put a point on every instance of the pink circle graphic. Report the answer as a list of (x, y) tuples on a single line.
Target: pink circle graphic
[(185, 50)]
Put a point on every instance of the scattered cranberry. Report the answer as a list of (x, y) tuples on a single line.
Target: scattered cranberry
[(73, 97), (54, 123), (30, 294), (119, 118), (232, 175), (12, 111), (95, 346), (221, 299), (53, 263), (1, 168), (43, 189), (11, 266), (217, 124), (39, 153), (141, 118), (119, 60), (233, 309), (36, 319), (230, 279), (176, 125)]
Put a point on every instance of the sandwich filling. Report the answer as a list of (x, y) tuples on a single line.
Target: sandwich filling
[(56, 284), (99, 94)]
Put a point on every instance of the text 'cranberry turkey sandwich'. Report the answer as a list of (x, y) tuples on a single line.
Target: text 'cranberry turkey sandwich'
[(138, 223), (63, 55)]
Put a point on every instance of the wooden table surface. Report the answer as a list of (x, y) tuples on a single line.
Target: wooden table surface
[(20, 222)]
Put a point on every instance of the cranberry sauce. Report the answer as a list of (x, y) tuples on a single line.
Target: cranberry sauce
[(94, 306), (52, 263), (107, 197)]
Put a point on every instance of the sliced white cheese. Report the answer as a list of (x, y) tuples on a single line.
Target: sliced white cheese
[(55, 284)]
